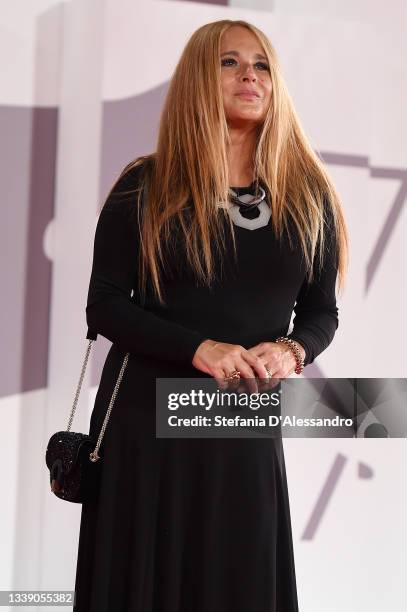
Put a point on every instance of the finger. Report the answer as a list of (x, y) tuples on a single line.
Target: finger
[(224, 380), (260, 350), (280, 375), (246, 378), (223, 377), (248, 374), (274, 376), (264, 384), (219, 376), (272, 383), (257, 364), (256, 350)]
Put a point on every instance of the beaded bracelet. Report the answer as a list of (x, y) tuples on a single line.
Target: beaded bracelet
[(294, 348)]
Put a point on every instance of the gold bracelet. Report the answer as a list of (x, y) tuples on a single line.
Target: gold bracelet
[(296, 351)]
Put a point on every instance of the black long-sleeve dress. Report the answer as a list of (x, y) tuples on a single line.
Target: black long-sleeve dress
[(191, 524)]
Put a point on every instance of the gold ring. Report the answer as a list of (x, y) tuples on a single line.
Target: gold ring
[(234, 374)]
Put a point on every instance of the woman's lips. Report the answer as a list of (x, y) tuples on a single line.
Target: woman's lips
[(249, 96)]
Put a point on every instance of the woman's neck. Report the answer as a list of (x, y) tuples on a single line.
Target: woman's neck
[(240, 159), (240, 175)]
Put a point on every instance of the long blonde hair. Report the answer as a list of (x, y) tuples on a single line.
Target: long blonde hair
[(190, 164)]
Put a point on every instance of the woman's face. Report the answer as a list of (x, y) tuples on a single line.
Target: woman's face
[(244, 67)]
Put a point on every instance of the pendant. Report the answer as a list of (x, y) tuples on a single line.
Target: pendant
[(250, 224)]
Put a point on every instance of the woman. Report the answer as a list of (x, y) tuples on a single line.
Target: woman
[(195, 282)]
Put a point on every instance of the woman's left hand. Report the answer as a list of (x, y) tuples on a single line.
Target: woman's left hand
[(277, 357)]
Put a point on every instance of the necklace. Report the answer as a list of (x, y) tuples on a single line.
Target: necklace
[(248, 210)]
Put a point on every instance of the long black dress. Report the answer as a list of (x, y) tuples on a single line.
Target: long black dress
[(190, 524)]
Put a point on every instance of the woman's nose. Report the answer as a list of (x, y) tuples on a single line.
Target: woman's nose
[(248, 71)]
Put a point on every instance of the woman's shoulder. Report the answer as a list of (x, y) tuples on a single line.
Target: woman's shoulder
[(124, 192)]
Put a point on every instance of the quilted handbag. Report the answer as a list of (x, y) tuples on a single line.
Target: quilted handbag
[(73, 458)]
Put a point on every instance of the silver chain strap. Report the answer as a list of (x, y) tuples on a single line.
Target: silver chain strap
[(94, 455)]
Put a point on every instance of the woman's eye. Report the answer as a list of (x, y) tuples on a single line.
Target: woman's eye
[(230, 59)]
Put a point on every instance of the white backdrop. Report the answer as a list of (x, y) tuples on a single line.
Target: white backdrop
[(81, 91)]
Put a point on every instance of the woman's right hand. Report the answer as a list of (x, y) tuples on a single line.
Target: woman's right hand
[(219, 359)]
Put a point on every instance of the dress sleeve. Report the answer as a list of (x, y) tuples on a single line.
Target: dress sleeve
[(316, 313), (110, 311)]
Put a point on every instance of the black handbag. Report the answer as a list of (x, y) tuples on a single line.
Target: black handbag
[(73, 458)]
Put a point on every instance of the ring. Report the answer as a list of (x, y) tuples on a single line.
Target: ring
[(234, 374), (268, 371)]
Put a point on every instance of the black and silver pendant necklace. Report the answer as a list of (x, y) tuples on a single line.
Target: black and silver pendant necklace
[(247, 209)]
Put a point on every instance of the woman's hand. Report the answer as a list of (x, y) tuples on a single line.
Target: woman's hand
[(277, 356), (219, 359)]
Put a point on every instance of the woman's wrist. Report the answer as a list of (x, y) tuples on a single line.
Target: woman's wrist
[(301, 349), (297, 351)]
